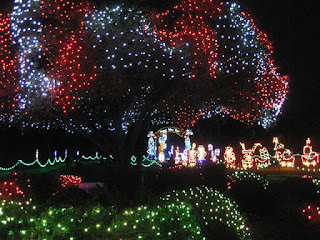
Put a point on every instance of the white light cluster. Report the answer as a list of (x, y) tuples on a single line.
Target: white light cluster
[(129, 41), (124, 36), (241, 54), (27, 32)]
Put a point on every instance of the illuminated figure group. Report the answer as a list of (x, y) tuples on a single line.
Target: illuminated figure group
[(250, 160), (196, 155), (258, 156), (191, 155)]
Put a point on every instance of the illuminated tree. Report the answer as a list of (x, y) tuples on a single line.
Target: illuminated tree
[(66, 51), (108, 74), (235, 55), (136, 73)]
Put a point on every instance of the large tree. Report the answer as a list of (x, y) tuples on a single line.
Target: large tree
[(110, 73)]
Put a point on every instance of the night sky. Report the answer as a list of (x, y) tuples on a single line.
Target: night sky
[(292, 28)]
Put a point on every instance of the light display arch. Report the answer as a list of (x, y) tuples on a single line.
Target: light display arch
[(157, 142), (190, 154)]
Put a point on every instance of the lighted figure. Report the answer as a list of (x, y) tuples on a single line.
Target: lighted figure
[(177, 157), (229, 157), (211, 152), (216, 155), (201, 154), (193, 156), (247, 160), (278, 148), (309, 157), (171, 152), (151, 145), (284, 156), (264, 159), (162, 145), (288, 159), (187, 142), (184, 157)]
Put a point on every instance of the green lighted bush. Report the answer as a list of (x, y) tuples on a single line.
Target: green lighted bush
[(187, 214)]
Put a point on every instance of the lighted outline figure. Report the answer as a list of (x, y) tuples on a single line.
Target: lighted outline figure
[(309, 157), (247, 159), (162, 145), (201, 154), (193, 153), (285, 158), (151, 145), (229, 157), (264, 159)]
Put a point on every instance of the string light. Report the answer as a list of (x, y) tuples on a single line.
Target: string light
[(227, 46), (245, 175), (179, 214), (65, 48), (8, 69), (212, 207), (49, 162), (311, 214)]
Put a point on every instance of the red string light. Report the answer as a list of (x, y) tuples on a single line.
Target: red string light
[(67, 51), (8, 67), (68, 181), (312, 214)]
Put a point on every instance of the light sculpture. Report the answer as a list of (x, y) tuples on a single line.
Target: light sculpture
[(193, 155), (162, 144), (201, 154), (229, 157), (248, 160), (309, 157), (177, 158), (151, 145), (187, 141), (213, 153), (264, 159), (284, 156)]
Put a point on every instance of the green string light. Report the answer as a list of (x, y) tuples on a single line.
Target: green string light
[(243, 175), (49, 162)]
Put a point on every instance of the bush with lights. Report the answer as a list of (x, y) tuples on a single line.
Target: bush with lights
[(212, 207), (186, 214), (245, 175)]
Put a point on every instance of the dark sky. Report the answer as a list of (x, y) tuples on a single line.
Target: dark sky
[(292, 27)]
